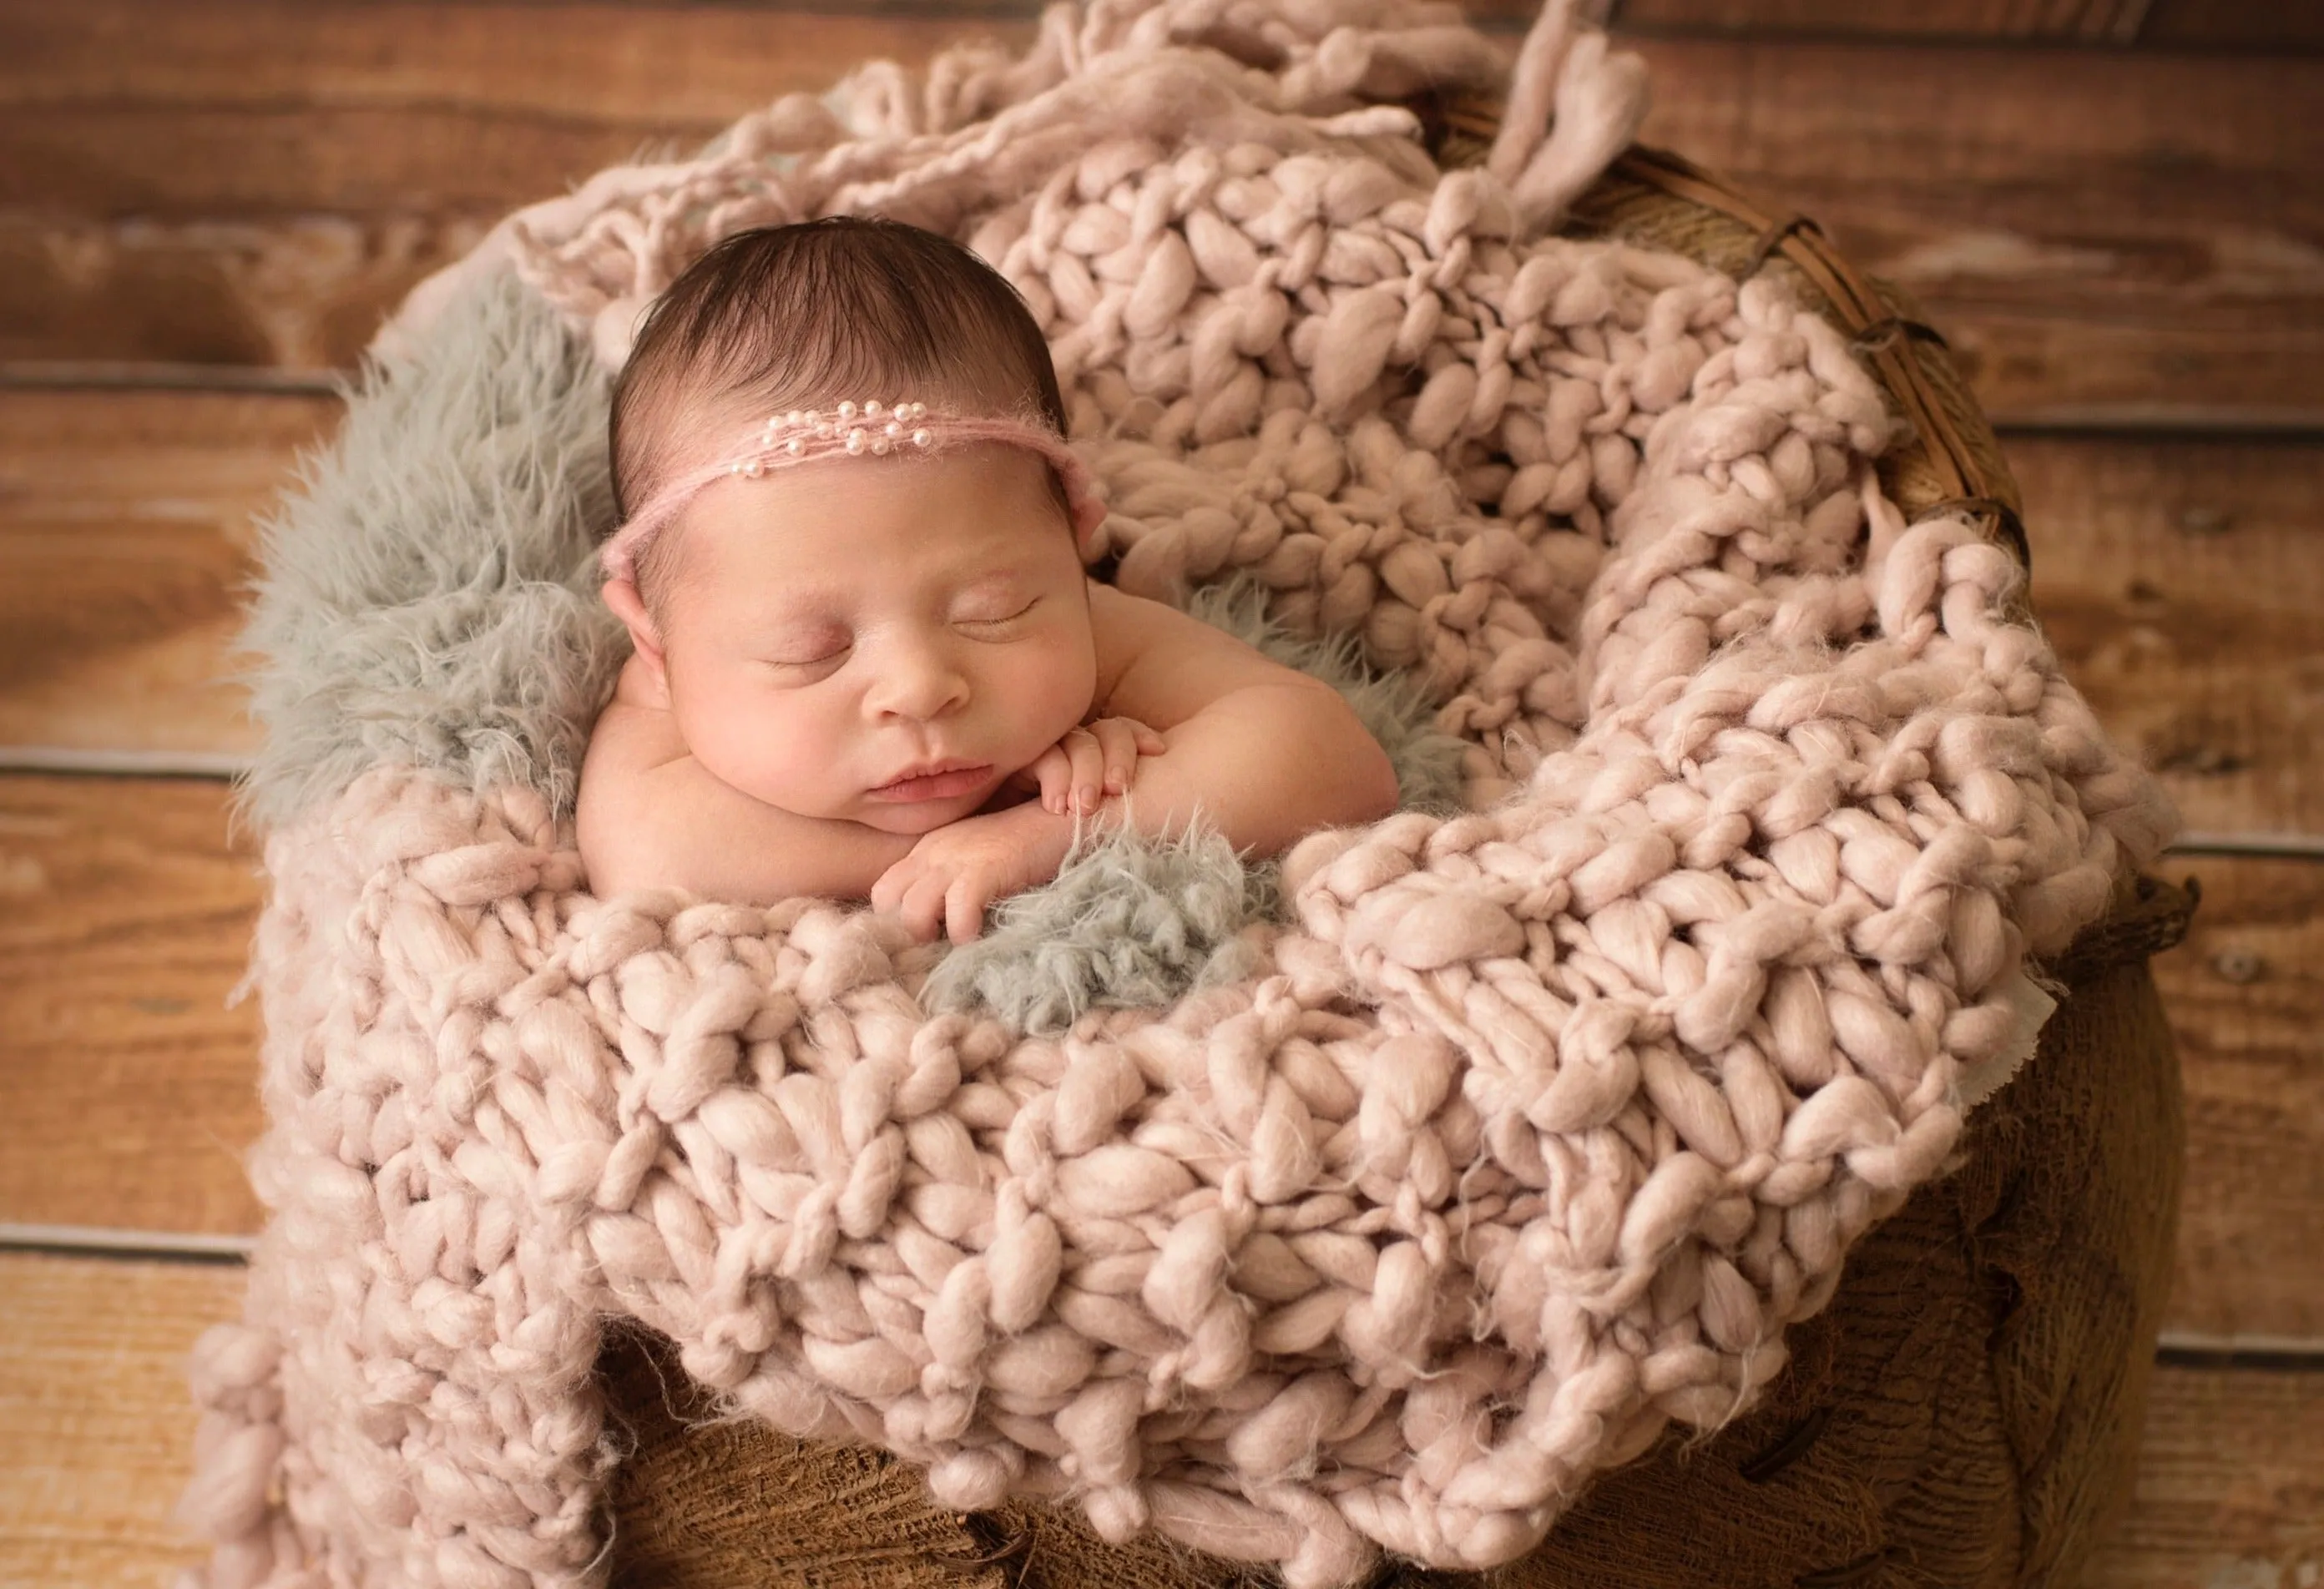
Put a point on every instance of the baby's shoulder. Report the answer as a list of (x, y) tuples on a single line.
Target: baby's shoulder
[(1160, 664)]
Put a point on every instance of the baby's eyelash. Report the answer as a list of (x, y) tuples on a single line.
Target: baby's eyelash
[(831, 656), (1009, 618)]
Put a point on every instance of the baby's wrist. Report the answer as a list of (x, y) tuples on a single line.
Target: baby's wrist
[(1033, 820), (1042, 837)]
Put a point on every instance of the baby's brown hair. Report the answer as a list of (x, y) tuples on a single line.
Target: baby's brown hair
[(789, 316)]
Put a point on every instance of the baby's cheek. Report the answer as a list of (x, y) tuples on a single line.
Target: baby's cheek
[(758, 751), (1062, 700)]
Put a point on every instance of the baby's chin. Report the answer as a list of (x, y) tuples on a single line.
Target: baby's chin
[(910, 819)]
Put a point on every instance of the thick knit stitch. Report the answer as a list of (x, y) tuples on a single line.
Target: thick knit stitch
[(1529, 1136)]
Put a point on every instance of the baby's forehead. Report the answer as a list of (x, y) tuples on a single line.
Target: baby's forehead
[(949, 521)]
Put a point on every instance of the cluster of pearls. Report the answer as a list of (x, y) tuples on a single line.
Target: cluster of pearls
[(873, 426)]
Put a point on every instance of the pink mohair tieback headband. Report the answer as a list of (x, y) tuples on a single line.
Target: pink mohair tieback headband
[(854, 431)]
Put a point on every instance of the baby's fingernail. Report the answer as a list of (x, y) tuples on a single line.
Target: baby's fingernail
[(1088, 795)]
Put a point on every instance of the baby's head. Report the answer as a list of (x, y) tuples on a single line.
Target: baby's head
[(853, 612)]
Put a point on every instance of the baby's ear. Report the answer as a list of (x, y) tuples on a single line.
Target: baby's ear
[(645, 635)]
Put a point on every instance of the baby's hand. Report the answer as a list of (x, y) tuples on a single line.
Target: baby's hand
[(953, 873), (1098, 760)]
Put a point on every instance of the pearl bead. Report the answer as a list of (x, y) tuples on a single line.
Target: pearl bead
[(795, 446), (855, 442), (753, 469), (847, 410), (880, 446), (872, 409), (921, 438)]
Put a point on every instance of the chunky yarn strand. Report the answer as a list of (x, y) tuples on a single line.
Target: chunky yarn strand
[(1524, 1138)]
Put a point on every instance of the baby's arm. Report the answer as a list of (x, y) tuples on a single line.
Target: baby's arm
[(650, 816), (1264, 753)]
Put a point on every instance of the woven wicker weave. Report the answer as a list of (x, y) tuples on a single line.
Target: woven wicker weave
[(1964, 1413)]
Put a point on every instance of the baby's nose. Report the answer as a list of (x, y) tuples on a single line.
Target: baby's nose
[(919, 681)]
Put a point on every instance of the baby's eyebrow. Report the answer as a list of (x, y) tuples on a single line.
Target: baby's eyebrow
[(807, 599), (815, 623), (793, 620)]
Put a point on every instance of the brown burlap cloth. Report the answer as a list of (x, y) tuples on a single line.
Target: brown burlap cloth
[(1963, 1415)]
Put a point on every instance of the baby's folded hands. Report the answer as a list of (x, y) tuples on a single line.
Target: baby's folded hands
[(954, 872), (1078, 773)]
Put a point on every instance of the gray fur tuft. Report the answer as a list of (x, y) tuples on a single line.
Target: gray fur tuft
[(429, 597), (1129, 923)]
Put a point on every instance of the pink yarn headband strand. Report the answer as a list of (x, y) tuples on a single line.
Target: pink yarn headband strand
[(852, 431)]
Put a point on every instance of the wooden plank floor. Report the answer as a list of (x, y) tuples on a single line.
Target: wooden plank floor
[(2114, 207)]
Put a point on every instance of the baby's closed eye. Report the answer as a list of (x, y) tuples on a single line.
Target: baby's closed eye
[(994, 612), (808, 649)]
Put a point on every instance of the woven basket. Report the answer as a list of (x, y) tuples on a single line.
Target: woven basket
[(1963, 1414)]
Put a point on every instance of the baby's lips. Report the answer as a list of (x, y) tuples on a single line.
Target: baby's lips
[(939, 785)]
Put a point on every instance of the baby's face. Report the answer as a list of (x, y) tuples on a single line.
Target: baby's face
[(879, 640)]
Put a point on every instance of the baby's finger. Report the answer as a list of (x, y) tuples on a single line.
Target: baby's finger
[(887, 892), (1117, 738), (923, 909), (963, 907), (1088, 753), (1052, 771)]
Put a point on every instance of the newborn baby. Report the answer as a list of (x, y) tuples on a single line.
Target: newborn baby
[(868, 662)]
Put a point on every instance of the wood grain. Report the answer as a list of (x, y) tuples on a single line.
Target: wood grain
[(2234, 24), (2245, 997), (125, 542), (2182, 583), (2165, 24), (2230, 1488), (128, 1090), (2120, 236), (171, 189), (2087, 21), (2112, 236), (100, 1424)]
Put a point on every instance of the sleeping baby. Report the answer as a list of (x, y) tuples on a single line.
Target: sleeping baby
[(868, 663)]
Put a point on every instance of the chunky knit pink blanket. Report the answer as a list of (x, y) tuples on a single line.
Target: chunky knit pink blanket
[(1528, 1137)]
